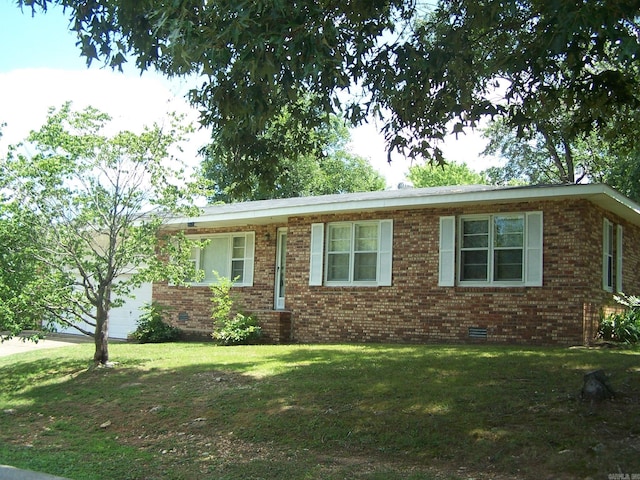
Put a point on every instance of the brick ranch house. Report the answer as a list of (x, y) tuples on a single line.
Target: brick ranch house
[(532, 265)]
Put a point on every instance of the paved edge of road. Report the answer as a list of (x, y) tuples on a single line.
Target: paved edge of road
[(12, 473), (20, 343)]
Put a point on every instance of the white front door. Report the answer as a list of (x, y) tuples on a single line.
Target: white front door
[(281, 268)]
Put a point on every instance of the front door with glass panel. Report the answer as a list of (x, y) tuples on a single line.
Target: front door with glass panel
[(281, 268)]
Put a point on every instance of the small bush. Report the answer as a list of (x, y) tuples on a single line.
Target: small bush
[(229, 328), (151, 327), (622, 326), (238, 330)]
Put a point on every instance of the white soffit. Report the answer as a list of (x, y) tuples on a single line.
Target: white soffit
[(275, 211)]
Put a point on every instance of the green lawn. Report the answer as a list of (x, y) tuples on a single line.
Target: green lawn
[(185, 411)]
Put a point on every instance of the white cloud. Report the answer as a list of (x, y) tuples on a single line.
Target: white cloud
[(367, 142), (467, 148), (132, 101)]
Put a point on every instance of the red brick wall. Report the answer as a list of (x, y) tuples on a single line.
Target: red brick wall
[(600, 301), (194, 302), (564, 310)]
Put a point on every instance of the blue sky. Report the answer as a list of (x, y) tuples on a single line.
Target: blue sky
[(41, 67), (40, 41)]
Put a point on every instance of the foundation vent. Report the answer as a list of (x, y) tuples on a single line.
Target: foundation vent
[(477, 332)]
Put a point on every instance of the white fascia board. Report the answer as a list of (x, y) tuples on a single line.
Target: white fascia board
[(275, 211)]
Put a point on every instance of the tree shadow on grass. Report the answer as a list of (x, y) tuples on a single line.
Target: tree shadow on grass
[(500, 411)]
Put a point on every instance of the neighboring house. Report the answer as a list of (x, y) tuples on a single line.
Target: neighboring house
[(531, 265)]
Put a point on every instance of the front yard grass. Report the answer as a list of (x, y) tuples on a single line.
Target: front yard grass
[(184, 411)]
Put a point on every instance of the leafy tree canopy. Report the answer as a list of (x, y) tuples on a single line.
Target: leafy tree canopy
[(552, 159), (538, 158), (23, 278), (424, 69), (279, 168), (624, 174), (429, 175), (95, 205)]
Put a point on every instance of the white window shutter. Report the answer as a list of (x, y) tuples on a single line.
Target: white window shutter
[(447, 252), (533, 250), (316, 254), (385, 254), (249, 254), (619, 259)]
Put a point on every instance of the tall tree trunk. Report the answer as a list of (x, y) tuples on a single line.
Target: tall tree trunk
[(565, 168), (568, 160), (101, 355), (101, 338)]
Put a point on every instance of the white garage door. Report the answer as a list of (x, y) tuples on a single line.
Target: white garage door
[(122, 320)]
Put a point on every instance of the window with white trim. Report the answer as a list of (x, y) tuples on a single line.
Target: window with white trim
[(357, 253), (491, 250), (611, 256), (619, 258), (228, 255), (607, 255)]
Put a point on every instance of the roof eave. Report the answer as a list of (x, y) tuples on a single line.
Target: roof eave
[(269, 212)]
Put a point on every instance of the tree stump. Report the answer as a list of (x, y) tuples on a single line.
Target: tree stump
[(595, 387)]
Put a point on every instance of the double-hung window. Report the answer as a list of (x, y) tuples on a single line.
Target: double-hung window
[(352, 252), (225, 255), (492, 249), (357, 253), (612, 257), (499, 249)]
